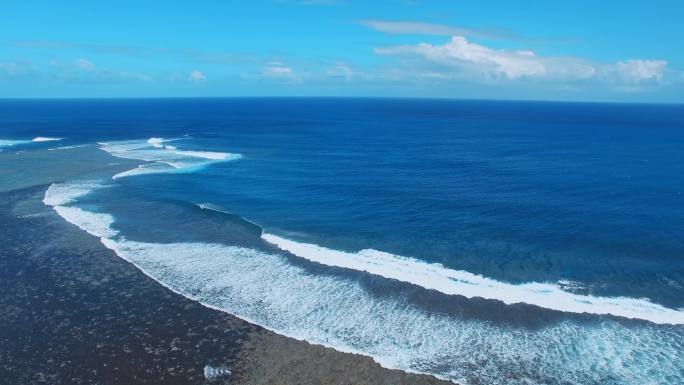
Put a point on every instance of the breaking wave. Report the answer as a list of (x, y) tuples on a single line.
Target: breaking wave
[(18, 142), (162, 157), (60, 194), (457, 282), (266, 289), (46, 139), (10, 142), (67, 147)]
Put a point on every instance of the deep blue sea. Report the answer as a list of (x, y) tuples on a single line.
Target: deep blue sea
[(486, 242)]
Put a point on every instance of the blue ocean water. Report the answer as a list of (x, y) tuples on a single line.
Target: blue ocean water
[(484, 242)]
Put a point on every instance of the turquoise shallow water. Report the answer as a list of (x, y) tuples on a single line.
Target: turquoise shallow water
[(485, 242)]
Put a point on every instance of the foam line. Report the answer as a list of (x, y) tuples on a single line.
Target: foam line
[(156, 142), (17, 142), (147, 168), (67, 147), (161, 155), (45, 139), (265, 289), (12, 142), (60, 194), (457, 282), (97, 224), (208, 154)]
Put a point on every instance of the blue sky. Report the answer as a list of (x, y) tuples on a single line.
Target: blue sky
[(549, 50)]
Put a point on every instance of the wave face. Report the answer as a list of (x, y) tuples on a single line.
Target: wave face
[(267, 289), (162, 157), (456, 282)]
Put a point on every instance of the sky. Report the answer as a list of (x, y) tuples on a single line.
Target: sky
[(580, 50)]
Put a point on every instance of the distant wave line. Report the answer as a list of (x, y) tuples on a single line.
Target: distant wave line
[(162, 158)]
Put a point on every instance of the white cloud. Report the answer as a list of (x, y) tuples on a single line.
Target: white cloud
[(85, 64), (341, 71), (277, 70), (460, 58), (196, 76), (85, 72), (639, 70), (459, 52), (413, 27), (399, 27), (16, 68), (320, 2)]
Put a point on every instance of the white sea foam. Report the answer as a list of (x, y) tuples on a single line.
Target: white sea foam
[(156, 142), (212, 207), (67, 147), (97, 224), (147, 168), (16, 142), (60, 194), (265, 289), (207, 154), (458, 282), (216, 372), (12, 142), (45, 139), (164, 158)]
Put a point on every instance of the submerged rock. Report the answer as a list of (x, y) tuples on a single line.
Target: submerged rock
[(215, 372)]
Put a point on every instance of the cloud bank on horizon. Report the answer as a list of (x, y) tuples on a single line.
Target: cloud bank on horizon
[(342, 48)]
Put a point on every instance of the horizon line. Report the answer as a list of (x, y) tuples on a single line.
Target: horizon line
[(427, 98)]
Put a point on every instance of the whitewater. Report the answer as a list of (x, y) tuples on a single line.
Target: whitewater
[(265, 288)]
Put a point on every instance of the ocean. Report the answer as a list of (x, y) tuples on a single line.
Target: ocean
[(484, 242)]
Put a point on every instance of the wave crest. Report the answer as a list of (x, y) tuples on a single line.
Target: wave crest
[(266, 289), (458, 282), (162, 157)]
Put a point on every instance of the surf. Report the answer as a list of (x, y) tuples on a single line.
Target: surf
[(162, 158), (458, 282), (19, 142), (265, 288)]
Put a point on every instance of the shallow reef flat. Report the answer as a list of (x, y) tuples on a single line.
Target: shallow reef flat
[(75, 313)]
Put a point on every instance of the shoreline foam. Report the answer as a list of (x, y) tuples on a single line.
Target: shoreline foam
[(265, 289)]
